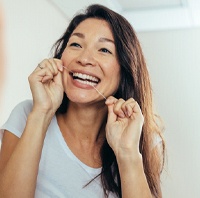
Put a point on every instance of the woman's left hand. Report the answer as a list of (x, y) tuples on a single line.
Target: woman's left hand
[(124, 126)]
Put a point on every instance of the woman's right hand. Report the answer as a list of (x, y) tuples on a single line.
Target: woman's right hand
[(46, 86)]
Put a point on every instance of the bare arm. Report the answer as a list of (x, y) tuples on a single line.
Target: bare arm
[(133, 176), (123, 130), (133, 180), (19, 165), (19, 161)]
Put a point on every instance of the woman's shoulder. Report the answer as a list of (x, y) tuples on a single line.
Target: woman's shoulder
[(23, 107), (28, 103), (17, 120)]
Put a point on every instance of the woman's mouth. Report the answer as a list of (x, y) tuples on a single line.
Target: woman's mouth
[(85, 78)]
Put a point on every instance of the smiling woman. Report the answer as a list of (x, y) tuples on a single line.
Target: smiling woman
[(68, 141), (90, 56)]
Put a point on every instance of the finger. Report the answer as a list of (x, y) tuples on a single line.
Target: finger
[(55, 65), (39, 67), (46, 74), (59, 64), (118, 108), (128, 106), (110, 100), (128, 110), (47, 77), (39, 73), (47, 63), (52, 66), (117, 105), (42, 64), (133, 110), (112, 117), (136, 107), (48, 69), (52, 61), (58, 79)]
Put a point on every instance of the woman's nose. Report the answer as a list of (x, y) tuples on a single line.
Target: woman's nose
[(86, 57)]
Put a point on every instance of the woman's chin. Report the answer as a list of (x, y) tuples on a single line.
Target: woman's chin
[(79, 98)]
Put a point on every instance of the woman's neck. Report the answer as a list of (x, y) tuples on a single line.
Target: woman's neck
[(84, 123), (83, 129)]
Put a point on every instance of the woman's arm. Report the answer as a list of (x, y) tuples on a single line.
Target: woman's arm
[(133, 180), (19, 159), (19, 162), (123, 130)]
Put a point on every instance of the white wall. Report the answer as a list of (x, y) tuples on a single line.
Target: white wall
[(174, 64), (32, 27)]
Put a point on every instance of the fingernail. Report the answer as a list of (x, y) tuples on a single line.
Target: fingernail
[(107, 101), (121, 115), (60, 67), (127, 113)]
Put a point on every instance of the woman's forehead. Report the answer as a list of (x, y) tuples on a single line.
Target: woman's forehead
[(96, 26)]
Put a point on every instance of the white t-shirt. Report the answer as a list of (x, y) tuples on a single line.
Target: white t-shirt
[(61, 174)]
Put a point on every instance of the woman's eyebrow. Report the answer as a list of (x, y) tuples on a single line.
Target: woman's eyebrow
[(106, 40), (102, 39), (78, 34)]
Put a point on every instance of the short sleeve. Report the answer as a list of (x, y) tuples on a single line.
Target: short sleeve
[(17, 119)]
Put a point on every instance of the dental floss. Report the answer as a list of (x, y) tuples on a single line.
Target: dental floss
[(90, 85), (99, 92)]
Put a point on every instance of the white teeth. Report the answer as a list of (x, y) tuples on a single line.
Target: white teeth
[(86, 77), (86, 82)]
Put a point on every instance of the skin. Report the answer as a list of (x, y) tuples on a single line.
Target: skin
[(90, 50)]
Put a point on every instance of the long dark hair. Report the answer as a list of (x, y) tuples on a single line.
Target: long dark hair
[(134, 83)]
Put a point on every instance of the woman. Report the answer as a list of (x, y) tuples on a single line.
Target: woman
[(77, 144)]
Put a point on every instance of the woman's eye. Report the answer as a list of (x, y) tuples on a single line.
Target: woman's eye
[(75, 45), (105, 50)]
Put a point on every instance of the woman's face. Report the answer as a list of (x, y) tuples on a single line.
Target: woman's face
[(91, 57)]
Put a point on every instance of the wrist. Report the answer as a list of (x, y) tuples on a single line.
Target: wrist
[(42, 112), (127, 156), (40, 119)]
